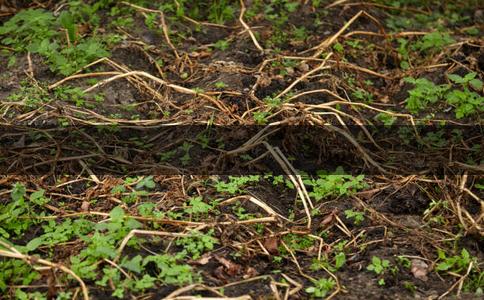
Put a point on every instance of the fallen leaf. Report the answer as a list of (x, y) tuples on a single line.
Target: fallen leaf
[(327, 220), (264, 81), (419, 269), (85, 206), (83, 29), (250, 272), (203, 260), (303, 67), (201, 54), (219, 273), (231, 268), (20, 143), (271, 245), (385, 99)]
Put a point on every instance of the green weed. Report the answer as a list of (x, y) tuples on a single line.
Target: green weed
[(28, 28), (196, 244), (220, 85), (361, 94), (218, 11), (16, 272), (456, 263), (386, 118), (461, 264), (339, 261), (296, 242), (11, 222), (466, 101), (35, 31), (221, 45), (356, 216), (30, 96), (334, 184), (433, 42), (197, 206), (424, 93), (163, 269), (378, 265), (102, 244), (235, 183), (321, 287)]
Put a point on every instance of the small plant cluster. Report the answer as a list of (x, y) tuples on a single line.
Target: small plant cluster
[(235, 184), (465, 101), (55, 39), (334, 184), (218, 12), (380, 267), (461, 264), (429, 44), (11, 224), (333, 262), (101, 242), (32, 96), (356, 216), (321, 287)]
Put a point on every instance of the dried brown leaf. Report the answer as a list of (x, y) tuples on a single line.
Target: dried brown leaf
[(271, 244), (419, 269)]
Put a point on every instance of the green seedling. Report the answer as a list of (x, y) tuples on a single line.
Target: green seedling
[(221, 45), (363, 95), (334, 184), (433, 42), (196, 244), (235, 183), (466, 101), (456, 263), (321, 287), (35, 31), (197, 206), (356, 216), (385, 118), (424, 93), (220, 85), (462, 264), (378, 265)]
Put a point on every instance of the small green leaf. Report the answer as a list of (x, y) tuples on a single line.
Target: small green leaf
[(117, 213), (476, 84), (67, 21), (470, 76), (37, 196), (134, 264), (443, 266), (338, 48), (34, 244), (456, 78), (18, 192), (340, 260)]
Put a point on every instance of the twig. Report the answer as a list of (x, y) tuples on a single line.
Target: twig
[(164, 27), (247, 28), (34, 260), (304, 76)]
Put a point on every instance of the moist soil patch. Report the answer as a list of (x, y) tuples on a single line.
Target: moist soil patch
[(135, 218)]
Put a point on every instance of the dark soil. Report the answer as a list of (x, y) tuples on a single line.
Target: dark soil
[(405, 215)]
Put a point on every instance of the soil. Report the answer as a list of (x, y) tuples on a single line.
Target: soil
[(404, 216)]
